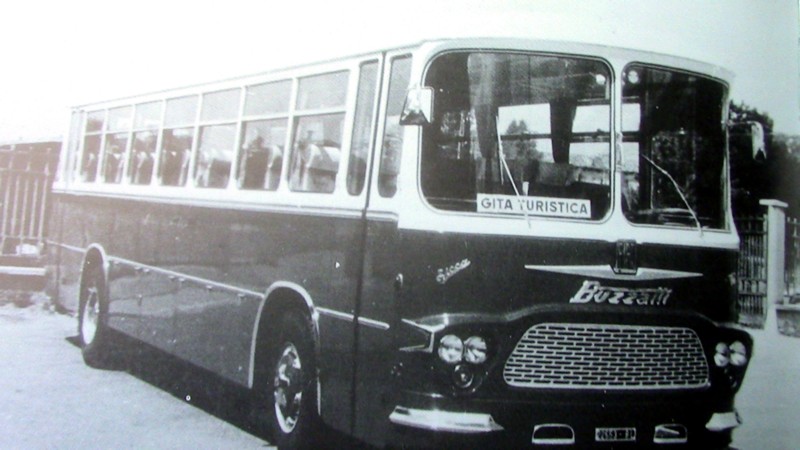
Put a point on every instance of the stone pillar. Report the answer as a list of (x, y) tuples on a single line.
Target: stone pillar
[(776, 258)]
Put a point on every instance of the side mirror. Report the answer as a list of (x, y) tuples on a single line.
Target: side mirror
[(759, 146), (418, 108)]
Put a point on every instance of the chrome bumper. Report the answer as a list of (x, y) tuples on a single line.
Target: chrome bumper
[(724, 421), (448, 421)]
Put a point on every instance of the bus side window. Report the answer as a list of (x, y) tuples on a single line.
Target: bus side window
[(175, 153), (214, 155), (362, 129), (116, 143), (146, 120), (142, 153), (315, 154), (177, 139), (261, 154), (263, 138), (392, 142), (317, 142), (91, 152), (114, 157)]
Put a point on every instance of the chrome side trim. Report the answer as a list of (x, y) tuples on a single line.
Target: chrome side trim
[(184, 277), (216, 198), (373, 323), (22, 271), (350, 318), (724, 421), (430, 330), (605, 272), (447, 421), (67, 246), (335, 314)]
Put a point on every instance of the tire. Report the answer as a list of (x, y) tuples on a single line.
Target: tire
[(289, 399), (93, 334)]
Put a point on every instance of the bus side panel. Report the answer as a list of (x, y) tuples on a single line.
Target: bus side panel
[(64, 263), (86, 221), (189, 280), (376, 348)]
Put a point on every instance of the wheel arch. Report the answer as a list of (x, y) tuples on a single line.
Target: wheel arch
[(282, 297), (95, 256)]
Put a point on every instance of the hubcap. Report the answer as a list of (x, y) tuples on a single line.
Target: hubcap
[(91, 316), (288, 388)]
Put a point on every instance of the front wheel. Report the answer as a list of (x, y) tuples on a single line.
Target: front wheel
[(291, 386)]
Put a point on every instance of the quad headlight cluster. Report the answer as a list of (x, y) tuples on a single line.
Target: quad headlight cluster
[(464, 356), (734, 354), (731, 359), (452, 350)]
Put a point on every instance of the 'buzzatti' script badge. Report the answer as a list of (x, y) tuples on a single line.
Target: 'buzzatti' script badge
[(592, 291), (445, 274)]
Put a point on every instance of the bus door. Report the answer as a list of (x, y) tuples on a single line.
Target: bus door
[(376, 312), (341, 247)]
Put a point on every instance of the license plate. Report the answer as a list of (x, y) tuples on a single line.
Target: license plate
[(615, 434)]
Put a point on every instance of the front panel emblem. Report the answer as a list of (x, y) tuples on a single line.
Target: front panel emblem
[(593, 291), (446, 273), (626, 261)]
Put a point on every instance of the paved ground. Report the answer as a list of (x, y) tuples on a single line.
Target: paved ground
[(769, 401), (50, 399)]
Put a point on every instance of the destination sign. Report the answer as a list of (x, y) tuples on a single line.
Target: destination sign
[(535, 206)]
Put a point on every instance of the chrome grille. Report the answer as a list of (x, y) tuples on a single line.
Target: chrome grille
[(597, 356)]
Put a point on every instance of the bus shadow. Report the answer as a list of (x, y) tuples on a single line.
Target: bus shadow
[(202, 389)]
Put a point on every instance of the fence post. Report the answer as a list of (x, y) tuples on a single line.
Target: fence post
[(776, 258)]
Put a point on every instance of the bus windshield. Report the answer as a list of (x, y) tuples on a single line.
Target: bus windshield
[(674, 148), (521, 134)]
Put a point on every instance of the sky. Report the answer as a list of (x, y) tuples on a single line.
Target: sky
[(57, 54)]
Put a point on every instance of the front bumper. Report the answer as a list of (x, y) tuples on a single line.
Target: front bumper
[(446, 421), (579, 426)]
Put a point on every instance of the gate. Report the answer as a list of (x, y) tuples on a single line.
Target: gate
[(26, 173), (788, 312), (752, 271), (792, 276)]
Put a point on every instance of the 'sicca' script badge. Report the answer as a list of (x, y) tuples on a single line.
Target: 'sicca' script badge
[(592, 291), (444, 274)]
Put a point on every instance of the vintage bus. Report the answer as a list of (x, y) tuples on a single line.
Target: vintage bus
[(515, 240)]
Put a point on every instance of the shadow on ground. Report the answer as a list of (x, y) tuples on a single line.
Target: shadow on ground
[(202, 389)]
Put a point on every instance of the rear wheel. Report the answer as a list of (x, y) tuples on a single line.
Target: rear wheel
[(290, 386), (93, 319)]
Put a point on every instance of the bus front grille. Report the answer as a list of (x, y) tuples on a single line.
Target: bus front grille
[(599, 356)]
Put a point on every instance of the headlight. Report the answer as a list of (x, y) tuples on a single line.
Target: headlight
[(451, 349), (475, 350), (722, 355), (738, 354)]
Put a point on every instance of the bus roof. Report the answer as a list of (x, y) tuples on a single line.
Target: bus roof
[(437, 45)]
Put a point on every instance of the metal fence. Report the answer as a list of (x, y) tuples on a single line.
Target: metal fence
[(25, 180), (792, 271), (752, 271)]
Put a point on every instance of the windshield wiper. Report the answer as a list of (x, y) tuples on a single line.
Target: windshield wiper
[(678, 189)]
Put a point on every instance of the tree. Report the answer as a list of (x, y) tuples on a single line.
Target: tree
[(753, 180)]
